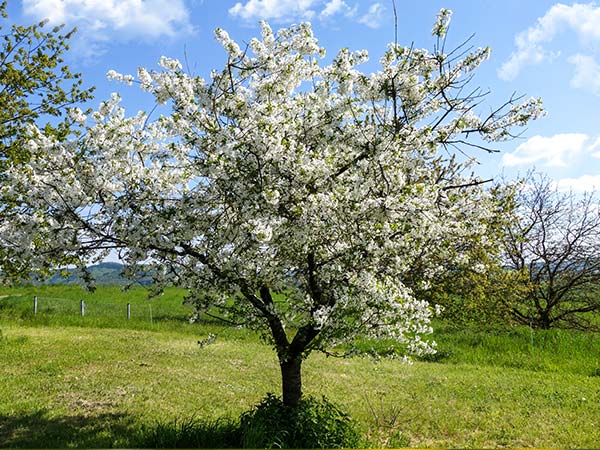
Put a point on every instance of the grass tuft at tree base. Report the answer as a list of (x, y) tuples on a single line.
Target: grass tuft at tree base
[(313, 423)]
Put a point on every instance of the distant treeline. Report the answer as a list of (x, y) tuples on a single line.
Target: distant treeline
[(103, 274)]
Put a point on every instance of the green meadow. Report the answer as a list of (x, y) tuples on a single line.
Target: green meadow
[(104, 381)]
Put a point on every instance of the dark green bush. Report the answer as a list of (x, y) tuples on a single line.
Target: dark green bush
[(313, 423)]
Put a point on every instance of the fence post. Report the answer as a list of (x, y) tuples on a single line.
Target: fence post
[(128, 311), (82, 308), (35, 304)]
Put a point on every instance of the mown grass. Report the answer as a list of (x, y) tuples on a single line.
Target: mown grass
[(97, 386)]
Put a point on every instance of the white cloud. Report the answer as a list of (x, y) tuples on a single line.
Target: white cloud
[(584, 19), (374, 16), (594, 148), (585, 183), (595, 145), (101, 21), (291, 10), (553, 151), (336, 7), (587, 73), (277, 10), (533, 54)]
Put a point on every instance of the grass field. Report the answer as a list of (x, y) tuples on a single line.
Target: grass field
[(69, 381), (107, 306)]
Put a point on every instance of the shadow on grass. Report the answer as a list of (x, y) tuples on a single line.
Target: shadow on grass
[(112, 430), (193, 433), (38, 430)]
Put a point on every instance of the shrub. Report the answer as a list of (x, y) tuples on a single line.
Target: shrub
[(312, 423)]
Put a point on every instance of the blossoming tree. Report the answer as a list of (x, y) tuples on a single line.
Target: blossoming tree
[(36, 86), (286, 194)]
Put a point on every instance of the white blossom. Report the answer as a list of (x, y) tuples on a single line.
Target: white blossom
[(113, 75), (169, 64), (440, 28), (77, 115)]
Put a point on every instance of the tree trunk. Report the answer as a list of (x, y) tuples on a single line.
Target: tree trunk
[(544, 320), (291, 381)]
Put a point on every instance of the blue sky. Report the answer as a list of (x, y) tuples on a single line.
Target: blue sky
[(540, 48)]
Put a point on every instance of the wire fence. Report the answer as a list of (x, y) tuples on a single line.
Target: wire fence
[(42, 306)]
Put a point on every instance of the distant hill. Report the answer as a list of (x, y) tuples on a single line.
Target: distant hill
[(104, 274)]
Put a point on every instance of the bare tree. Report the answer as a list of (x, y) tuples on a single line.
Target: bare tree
[(555, 244)]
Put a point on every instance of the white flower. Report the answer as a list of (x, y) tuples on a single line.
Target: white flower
[(442, 22), (169, 63), (261, 230), (77, 115), (113, 75)]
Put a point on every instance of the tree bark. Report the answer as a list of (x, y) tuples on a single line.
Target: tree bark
[(544, 320), (291, 380)]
